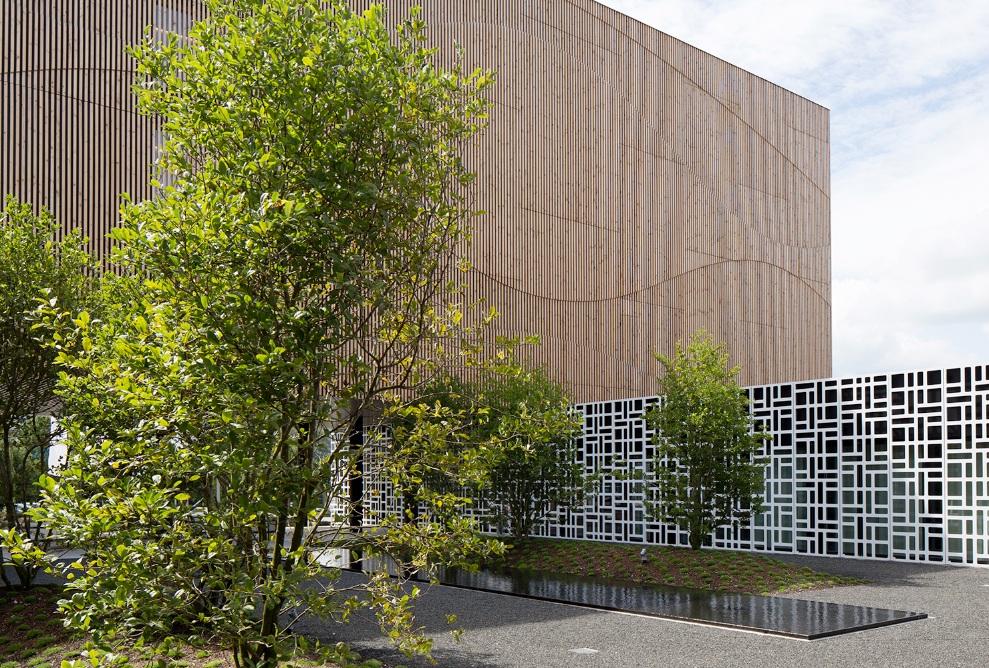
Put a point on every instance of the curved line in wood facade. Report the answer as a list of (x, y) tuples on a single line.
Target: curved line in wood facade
[(629, 295), (635, 110), (704, 184), (637, 188), (693, 82)]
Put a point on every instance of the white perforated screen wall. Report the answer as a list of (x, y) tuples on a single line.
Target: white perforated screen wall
[(891, 466)]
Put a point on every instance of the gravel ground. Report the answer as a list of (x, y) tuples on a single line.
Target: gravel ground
[(506, 631)]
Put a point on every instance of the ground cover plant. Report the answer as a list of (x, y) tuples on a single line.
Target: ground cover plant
[(719, 570), (33, 635), (32, 630)]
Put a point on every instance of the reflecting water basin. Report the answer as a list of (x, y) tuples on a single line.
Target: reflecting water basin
[(794, 618)]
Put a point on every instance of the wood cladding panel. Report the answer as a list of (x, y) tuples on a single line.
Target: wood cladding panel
[(636, 188), (71, 136)]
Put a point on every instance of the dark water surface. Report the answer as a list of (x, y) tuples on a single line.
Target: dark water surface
[(794, 618)]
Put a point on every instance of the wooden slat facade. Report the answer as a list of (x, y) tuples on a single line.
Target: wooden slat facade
[(70, 135), (636, 188)]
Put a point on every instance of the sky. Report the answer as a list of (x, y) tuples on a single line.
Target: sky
[(907, 84)]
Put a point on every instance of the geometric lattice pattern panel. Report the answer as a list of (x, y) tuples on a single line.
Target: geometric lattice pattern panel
[(892, 466)]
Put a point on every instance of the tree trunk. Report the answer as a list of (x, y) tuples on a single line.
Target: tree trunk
[(7, 481), (696, 528)]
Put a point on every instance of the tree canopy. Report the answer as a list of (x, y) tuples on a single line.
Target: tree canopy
[(34, 267), (524, 425), (537, 470), (707, 470), (292, 277)]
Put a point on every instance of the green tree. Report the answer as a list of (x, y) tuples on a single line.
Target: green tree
[(292, 278), (537, 469), (524, 426), (424, 454), (707, 470), (435, 457), (33, 266)]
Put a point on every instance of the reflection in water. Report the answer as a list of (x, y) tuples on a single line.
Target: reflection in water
[(768, 614)]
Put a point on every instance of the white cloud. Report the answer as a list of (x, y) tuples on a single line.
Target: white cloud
[(884, 44), (907, 83), (872, 351)]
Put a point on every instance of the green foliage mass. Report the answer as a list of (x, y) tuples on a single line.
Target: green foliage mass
[(537, 470), (30, 442), (522, 424), (291, 277), (33, 268), (707, 470)]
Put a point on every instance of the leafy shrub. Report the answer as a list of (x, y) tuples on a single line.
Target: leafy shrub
[(251, 378)]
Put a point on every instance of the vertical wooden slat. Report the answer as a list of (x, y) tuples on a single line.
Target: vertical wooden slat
[(724, 225), (636, 188), (71, 138)]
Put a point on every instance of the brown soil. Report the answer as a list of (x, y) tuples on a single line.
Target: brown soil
[(32, 635)]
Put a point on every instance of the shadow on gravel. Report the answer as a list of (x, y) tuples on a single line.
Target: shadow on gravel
[(879, 573), (474, 610)]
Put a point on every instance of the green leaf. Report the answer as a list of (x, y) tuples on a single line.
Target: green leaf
[(292, 225)]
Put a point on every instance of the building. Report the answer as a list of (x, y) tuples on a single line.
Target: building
[(636, 188), (70, 135)]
